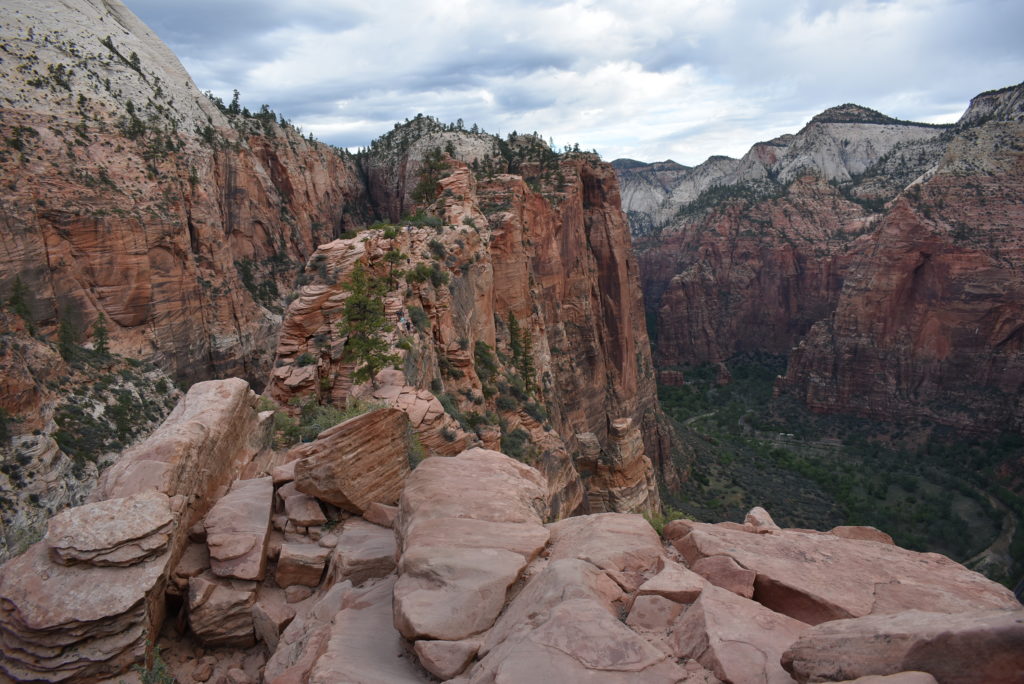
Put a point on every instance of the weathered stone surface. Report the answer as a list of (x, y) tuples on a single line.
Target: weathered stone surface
[(237, 528), (304, 510), (454, 594), (305, 639), (448, 591), (736, 638), (862, 533), (901, 678), (723, 571), (113, 532), (49, 607), (624, 545), (580, 641), (381, 514), (560, 580), (363, 551), (960, 648), (759, 520), (300, 563), (194, 561), (108, 613), (270, 616), (283, 473), (816, 577), (653, 613), (363, 645), (675, 583), (360, 461), (446, 659), (220, 610)]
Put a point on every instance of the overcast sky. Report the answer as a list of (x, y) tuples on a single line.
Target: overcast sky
[(650, 80)]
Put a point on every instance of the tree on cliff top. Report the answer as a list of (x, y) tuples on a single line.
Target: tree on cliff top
[(364, 324)]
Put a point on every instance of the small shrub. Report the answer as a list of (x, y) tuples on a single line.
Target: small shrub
[(305, 359), (419, 318), (506, 403), (515, 443)]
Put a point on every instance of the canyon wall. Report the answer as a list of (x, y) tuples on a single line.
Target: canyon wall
[(530, 242), (878, 255), (186, 225), (129, 193)]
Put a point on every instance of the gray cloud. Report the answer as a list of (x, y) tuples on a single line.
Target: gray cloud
[(681, 78)]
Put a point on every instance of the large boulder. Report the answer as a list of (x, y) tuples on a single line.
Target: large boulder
[(817, 577), (469, 525), (237, 528), (121, 531), (965, 648), (364, 551), (736, 638), (355, 463), (94, 619)]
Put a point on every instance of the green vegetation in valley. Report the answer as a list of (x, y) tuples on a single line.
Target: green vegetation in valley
[(929, 488)]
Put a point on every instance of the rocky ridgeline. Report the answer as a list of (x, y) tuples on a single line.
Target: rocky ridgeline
[(185, 222), (340, 564), (858, 246), (537, 260)]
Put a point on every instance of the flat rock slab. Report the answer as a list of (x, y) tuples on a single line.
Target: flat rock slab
[(736, 638), (675, 583), (817, 577), (364, 551), (466, 533), (363, 645), (237, 528), (60, 622), (113, 532), (357, 462), (579, 641), (967, 647), (724, 572)]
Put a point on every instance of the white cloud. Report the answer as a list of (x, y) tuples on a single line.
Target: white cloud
[(682, 79)]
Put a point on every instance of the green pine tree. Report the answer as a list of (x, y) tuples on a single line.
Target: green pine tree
[(100, 335), (364, 324)]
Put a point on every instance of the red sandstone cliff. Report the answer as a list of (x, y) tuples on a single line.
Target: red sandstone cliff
[(930, 318), (547, 245), (129, 193), (895, 284)]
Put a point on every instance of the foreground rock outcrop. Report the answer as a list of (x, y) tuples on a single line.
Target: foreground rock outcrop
[(469, 585), (84, 602), (515, 300)]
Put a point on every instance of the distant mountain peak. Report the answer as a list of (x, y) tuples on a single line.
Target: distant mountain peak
[(853, 113)]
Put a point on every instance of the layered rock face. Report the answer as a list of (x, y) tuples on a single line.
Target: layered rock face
[(133, 195), (469, 586), (882, 251), (84, 602), (935, 293), (529, 327)]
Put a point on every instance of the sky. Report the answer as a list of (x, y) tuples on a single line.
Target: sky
[(648, 80)]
